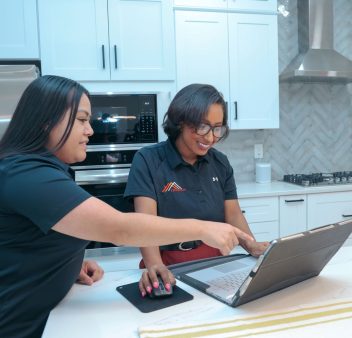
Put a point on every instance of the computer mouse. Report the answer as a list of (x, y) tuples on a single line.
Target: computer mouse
[(160, 291)]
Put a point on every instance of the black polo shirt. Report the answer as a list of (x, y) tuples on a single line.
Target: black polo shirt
[(38, 266), (182, 190)]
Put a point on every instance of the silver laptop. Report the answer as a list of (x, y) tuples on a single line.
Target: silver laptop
[(287, 261)]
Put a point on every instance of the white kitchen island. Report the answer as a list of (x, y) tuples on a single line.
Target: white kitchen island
[(99, 311)]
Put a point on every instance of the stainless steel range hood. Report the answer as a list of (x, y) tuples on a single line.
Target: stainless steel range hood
[(317, 60)]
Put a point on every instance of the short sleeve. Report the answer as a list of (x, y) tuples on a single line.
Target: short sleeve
[(230, 190), (140, 181), (40, 191)]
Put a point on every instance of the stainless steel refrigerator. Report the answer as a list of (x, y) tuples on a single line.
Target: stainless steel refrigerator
[(13, 81)]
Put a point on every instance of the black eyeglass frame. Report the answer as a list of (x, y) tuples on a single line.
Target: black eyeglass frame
[(223, 129)]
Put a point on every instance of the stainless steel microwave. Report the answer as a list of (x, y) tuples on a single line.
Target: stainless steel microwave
[(122, 119)]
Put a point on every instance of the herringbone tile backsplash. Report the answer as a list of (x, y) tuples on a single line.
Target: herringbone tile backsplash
[(315, 132)]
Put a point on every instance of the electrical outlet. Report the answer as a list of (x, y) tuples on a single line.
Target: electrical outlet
[(258, 151)]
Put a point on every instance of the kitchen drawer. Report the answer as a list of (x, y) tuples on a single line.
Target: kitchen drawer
[(265, 231), (328, 208), (293, 214), (263, 209)]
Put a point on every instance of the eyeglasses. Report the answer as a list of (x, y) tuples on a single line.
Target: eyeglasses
[(204, 128)]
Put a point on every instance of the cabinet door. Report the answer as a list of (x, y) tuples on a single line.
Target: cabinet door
[(253, 5), (141, 40), (201, 3), (74, 38), (254, 82), (293, 214), (18, 29), (329, 208), (262, 215), (202, 50)]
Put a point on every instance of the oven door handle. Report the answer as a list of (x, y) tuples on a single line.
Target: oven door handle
[(96, 177)]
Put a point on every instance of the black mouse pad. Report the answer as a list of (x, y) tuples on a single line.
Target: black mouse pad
[(145, 304)]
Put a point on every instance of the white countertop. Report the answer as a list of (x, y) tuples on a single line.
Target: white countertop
[(115, 258), (99, 311), (279, 188)]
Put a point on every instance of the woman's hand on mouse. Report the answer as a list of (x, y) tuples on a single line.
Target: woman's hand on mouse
[(149, 278)]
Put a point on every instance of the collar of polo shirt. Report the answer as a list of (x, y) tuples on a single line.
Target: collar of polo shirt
[(174, 157)]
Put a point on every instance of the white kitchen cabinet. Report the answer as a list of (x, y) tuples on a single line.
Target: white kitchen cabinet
[(199, 49), (214, 4), (107, 39), (253, 5), (142, 32), (237, 53), (18, 29), (328, 208), (248, 5), (293, 214), (73, 38), (262, 215), (253, 57)]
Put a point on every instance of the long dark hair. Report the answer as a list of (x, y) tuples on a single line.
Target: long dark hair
[(190, 106), (41, 107)]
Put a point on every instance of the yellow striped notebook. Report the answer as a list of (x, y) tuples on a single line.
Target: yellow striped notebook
[(332, 319)]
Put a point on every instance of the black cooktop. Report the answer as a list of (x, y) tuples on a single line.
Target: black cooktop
[(339, 177)]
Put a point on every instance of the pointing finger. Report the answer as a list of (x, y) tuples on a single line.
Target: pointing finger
[(241, 235)]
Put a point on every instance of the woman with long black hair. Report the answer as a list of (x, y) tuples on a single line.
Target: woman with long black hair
[(46, 219)]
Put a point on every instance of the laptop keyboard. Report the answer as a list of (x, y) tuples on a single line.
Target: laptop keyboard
[(231, 281)]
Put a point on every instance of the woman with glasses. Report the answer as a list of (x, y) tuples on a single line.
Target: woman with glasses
[(186, 177)]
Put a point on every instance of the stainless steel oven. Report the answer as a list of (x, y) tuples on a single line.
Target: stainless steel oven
[(122, 124), (104, 175)]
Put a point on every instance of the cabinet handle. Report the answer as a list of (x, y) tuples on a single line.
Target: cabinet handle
[(291, 201), (115, 54), (346, 215), (103, 55), (235, 103)]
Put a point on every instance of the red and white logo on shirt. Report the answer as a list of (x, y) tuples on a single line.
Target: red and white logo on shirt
[(172, 186)]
